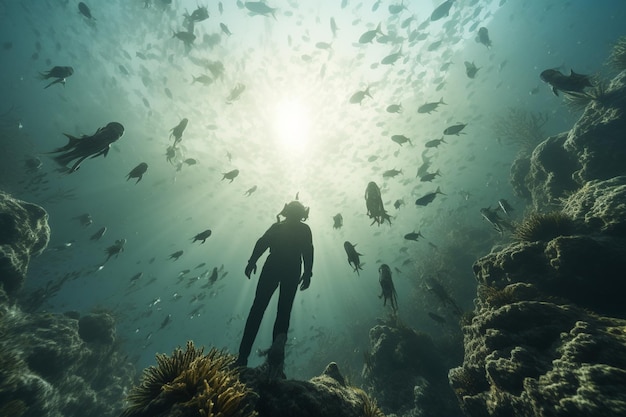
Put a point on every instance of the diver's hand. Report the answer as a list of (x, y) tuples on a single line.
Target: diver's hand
[(305, 281), (250, 269)]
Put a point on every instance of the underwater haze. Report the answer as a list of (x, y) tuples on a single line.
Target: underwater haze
[(280, 98)]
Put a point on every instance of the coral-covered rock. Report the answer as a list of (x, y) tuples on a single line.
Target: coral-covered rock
[(519, 170), (24, 232), (97, 328), (406, 373), (550, 173), (597, 139)]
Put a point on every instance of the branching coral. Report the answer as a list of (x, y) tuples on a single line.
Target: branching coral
[(545, 226), (202, 385), (520, 127), (617, 58)]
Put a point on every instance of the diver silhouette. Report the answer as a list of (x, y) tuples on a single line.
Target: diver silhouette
[(290, 244)]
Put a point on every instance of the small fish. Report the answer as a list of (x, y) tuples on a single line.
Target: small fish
[(84, 219), (250, 190), (413, 236), (398, 203), (138, 172), (202, 79), (333, 27), (230, 175), (505, 206), (190, 161), (454, 129), (430, 107), (394, 108), (391, 59), (443, 10), (136, 277), (177, 131), (391, 173), (176, 255), (470, 69), (99, 233), (428, 198), (369, 36), (198, 15), (260, 8), (401, 139), (396, 8), (496, 221), (166, 321), (434, 143), (483, 37), (203, 236), (428, 177), (337, 221), (115, 249), (85, 11), (360, 95), (353, 256), (225, 29), (568, 83), (387, 287), (186, 37), (60, 73)]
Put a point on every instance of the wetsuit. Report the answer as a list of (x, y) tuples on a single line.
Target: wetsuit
[(290, 244)]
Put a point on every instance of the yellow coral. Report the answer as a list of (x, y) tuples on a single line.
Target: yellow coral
[(204, 385)]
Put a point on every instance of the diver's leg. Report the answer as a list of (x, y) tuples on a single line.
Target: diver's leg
[(264, 290), (288, 289)]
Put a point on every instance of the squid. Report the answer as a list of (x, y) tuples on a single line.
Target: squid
[(386, 284), (374, 204)]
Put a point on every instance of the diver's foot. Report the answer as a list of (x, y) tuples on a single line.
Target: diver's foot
[(240, 362)]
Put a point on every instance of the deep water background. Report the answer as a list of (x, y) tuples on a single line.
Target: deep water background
[(328, 164)]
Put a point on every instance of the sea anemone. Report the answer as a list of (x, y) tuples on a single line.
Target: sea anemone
[(617, 58), (202, 385), (544, 226)]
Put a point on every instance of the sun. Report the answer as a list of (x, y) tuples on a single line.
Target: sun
[(292, 125)]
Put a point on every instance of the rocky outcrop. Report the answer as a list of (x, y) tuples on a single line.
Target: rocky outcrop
[(406, 373), (549, 336), (594, 149), (24, 232)]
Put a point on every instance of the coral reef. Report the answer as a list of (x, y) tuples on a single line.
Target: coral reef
[(407, 374), (51, 364), (617, 58), (548, 334), (190, 383), (24, 232), (521, 128), (593, 149)]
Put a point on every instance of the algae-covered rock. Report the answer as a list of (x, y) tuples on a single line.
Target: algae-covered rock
[(24, 232)]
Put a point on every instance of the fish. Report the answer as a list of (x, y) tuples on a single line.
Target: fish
[(176, 255), (374, 204), (394, 108), (138, 172), (136, 277), (333, 27), (337, 221), (392, 58), (230, 175), (390, 173), (434, 143), (353, 256), (496, 221), (413, 236), (201, 13), (202, 79), (60, 73), (85, 11), (428, 198), (401, 139), (260, 8), (505, 206), (360, 95), (454, 129), (84, 219), (85, 147), (396, 8), (442, 294), (177, 131), (115, 249), (225, 29), (470, 69), (387, 287), (436, 317), (369, 36), (166, 321), (435, 45), (441, 11), (236, 91), (99, 233), (430, 107), (428, 177), (203, 236), (483, 37), (186, 37), (250, 190), (398, 203), (573, 83)]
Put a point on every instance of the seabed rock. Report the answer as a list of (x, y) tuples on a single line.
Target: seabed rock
[(548, 338)]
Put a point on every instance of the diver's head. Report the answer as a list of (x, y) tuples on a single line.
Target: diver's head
[(295, 211)]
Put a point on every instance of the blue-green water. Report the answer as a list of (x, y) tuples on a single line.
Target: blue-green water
[(292, 130)]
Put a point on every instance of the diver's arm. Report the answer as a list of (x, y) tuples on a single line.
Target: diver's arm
[(261, 246), (307, 255)]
